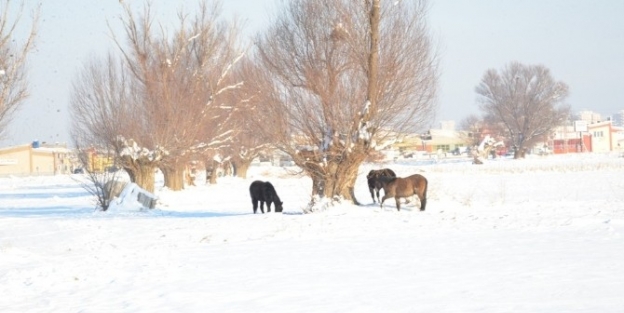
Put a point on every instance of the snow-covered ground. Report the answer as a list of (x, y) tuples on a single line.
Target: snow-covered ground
[(545, 234)]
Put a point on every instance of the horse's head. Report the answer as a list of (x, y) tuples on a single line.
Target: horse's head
[(278, 207), (371, 174)]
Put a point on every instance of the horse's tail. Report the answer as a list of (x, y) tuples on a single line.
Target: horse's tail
[(423, 201)]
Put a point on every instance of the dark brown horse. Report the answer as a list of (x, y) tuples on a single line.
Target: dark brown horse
[(374, 185), (397, 187)]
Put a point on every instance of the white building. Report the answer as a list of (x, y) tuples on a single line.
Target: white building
[(590, 117), (618, 118), (447, 125), (31, 159)]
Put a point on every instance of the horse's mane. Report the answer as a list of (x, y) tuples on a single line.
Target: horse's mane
[(386, 179)]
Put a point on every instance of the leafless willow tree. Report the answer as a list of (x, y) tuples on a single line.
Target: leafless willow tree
[(101, 104), (346, 76), (183, 76), (108, 116), (13, 56), (163, 100), (247, 144), (526, 100)]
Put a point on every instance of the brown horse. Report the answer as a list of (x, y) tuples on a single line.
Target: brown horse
[(397, 187), (374, 185)]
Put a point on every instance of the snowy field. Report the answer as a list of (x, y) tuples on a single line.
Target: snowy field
[(545, 234)]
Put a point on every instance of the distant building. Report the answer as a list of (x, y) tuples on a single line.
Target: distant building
[(434, 140), (447, 125), (605, 137), (35, 159), (98, 161), (618, 118), (590, 117), (565, 139)]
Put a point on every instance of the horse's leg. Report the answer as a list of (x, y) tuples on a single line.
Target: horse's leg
[(269, 206), (423, 201), (372, 192), (424, 198), (398, 203), (262, 207), (254, 202), (382, 200), (377, 192)]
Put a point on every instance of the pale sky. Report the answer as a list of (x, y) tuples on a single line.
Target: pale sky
[(580, 41)]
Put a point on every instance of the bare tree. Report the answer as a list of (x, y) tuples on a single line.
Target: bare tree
[(107, 115), (346, 76), (13, 73), (247, 144), (526, 100), (103, 186), (102, 103), (182, 77), (472, 130)]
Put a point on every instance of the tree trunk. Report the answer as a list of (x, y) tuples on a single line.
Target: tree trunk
[(145, 177), (190, 179), (212, 178), (336, 180), (174, 177), (228, 168), (141, 172), (241, 167), (373, 57)]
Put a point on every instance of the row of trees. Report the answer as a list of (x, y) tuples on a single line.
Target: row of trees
[(327, 83), (324, 84)]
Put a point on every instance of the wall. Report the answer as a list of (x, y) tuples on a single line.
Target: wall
[(601, 137), (24, 160), (42, 163), (15, 160)]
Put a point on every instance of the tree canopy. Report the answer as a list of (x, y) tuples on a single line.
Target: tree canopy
[(525, 101), (13, 55), (346, 76)]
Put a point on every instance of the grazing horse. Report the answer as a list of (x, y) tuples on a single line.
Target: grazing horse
[(374, 185), (264, 192), (397, 187)]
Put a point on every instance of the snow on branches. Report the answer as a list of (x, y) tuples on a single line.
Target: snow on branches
[(131, 149)]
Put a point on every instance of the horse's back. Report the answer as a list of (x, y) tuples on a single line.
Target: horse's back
[(256, 189), (419, 184), (417, 179), (263, 190), (269, 191), (375, 177), (406, 186), (381, 173), (388, 172)]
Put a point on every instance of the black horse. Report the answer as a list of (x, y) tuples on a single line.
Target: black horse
[(264, 192), (374, 185)]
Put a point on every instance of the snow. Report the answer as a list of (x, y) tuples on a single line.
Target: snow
[(543, 234)]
